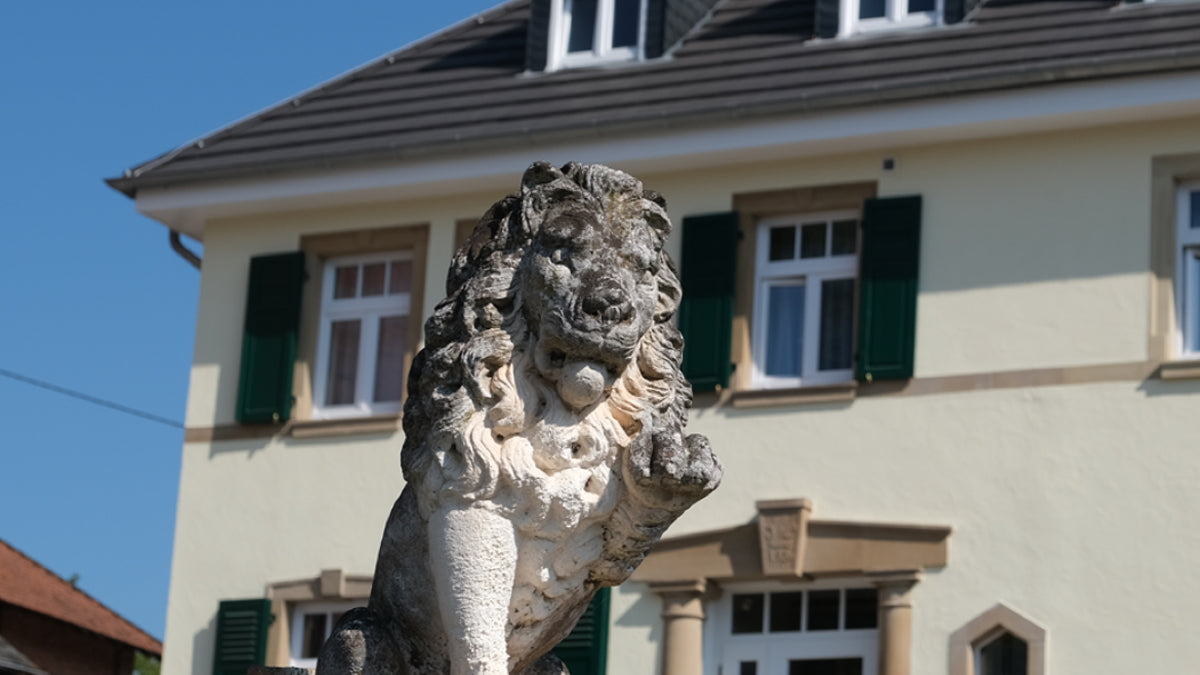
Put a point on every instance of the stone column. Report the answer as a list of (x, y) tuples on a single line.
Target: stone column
[(895, 621), (683, 626)]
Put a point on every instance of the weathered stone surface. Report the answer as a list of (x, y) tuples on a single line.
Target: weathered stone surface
[(544, 448)]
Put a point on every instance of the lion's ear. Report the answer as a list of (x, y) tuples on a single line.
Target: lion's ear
[(539, 173)]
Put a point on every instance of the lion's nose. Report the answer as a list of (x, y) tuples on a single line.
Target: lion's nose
[(606, 303)]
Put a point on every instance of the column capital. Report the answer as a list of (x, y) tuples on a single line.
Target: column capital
[(686, 587)]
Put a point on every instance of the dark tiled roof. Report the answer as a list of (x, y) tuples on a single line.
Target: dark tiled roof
[(13, 661), (466, 88), (26, 584)]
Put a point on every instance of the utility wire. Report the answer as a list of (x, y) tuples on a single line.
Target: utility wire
[(90, 399)]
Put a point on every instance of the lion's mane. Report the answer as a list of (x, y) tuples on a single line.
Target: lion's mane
[(475, 334)]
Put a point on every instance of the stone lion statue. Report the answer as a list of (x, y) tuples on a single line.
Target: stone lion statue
[(544, 449)]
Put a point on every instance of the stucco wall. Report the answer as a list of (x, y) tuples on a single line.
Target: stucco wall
[(1067, 502)]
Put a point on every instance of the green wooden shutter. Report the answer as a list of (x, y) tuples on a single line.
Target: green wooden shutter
[(887, 319), (585, 650), (709, 277), (241, 635), (269, 341)]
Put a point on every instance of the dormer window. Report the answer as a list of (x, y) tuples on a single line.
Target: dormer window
[(591, 31), (864, 16)]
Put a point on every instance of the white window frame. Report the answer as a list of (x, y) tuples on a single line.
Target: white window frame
[(776, 649), (811, 272), (369, 311), (602, 50), (896, 16), (296, 627), (1187, 275)]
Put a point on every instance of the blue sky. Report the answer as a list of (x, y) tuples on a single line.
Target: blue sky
[(91, 296)]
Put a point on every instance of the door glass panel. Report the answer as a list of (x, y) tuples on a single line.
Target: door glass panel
[(1194, 209), (401, 279), (625, 22), (837, 324), (862, 608), (785, 330), (823, 610), (812, 241), (748, 668), (845, 237), (748, 613), (374, 276), (782, 244), (921, 5), (389, 359), (870, 9), (345, 282), (825, 667), (785, 611), (343, 362), (583, 26)]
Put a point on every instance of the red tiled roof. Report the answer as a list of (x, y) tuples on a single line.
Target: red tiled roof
[(27, 584)]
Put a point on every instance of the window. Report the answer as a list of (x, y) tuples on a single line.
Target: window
[(781, 629), (1188, 275), (861, 16), (362, 341), (311, 625), (597, 30), (805, 276), (998, 642)]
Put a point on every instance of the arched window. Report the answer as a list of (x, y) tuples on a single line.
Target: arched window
[(998, 642)]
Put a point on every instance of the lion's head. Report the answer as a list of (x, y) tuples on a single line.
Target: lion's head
[(569, 280)]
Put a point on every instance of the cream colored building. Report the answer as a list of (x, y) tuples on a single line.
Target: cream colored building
[(1013, 493)]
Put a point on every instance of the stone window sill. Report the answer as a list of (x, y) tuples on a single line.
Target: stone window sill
[(762, 398), (1180, 370), (377, 424)]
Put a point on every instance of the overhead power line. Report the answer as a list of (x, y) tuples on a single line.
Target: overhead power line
[(90, 399)]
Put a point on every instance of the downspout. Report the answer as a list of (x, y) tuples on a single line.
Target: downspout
[(183, 251)]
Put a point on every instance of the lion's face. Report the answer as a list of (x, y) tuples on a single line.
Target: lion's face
[(589, 282)]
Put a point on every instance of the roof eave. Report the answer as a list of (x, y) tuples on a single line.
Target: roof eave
[(129, 185)]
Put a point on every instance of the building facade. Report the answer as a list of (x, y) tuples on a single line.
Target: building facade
[(940, 266)]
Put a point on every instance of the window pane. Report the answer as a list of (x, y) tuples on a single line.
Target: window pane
[(845, 237), (921, 5), (782, 243), (1006, 655), (812, 241), (837, 324), (870, 9), (748, 613), (583, 26), (748, 668), (374, 276), (1193, 275), (314, 635), (1194, 209), (401, 281), (825, 667), (785, 611), (343, 362), (345, 282), (625, 22), (862, 608), (785, 330), (823, 610), (389, 360)]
